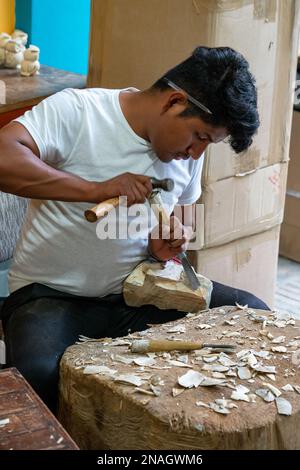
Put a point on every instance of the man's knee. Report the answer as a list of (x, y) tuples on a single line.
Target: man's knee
[(227, 295), (246, 298)]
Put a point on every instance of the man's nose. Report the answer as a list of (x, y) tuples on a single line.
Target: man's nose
[(197, 149)]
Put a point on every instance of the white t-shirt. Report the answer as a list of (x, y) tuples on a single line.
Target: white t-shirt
[(85, 132)]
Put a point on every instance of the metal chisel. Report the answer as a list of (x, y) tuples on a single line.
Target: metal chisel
[(189, 271), (158, 208)]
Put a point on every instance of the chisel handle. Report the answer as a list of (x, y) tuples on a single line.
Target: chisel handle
[(158, 208), (156, 345), (92, 215)]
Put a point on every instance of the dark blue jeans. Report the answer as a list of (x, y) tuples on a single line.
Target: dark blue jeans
[(40, 323)]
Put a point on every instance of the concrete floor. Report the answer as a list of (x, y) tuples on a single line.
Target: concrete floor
[(287, 297)]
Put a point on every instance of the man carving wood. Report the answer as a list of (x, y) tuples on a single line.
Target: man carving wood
[(81, 147)]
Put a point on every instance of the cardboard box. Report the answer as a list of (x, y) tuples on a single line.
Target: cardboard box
[(239, 207), (290, 230), (133, 42), (273, 63), (289, 246), (293, 180), (248, 263)]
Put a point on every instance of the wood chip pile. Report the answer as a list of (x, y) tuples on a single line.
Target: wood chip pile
[(111, 398)]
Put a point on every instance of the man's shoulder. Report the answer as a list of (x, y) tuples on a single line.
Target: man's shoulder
[(84, 93), (91, 97), (94, 92)]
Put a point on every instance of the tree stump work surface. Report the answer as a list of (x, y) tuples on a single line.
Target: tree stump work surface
[(111, 398)]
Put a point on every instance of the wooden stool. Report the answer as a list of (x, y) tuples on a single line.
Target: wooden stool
[(100, 411), (25, 422)]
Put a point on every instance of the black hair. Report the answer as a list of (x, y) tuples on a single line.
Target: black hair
[(220, 79)]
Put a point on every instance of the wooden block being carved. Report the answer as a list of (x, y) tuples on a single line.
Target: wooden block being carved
[(166, 287), (113, 398)]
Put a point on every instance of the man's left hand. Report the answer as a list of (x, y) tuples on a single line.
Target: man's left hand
[(165, 241)]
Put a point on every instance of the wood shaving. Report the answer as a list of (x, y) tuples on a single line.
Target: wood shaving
[(241, 307), (273, 389), (287, 388), (230, 322), (177, 391), (191, 379), (240, 393), (177, 329), (215, 368), (4, 422), (129, 379), (279, 349), (144, 361), (221, 310), (265, 394), (264, 369), (145, 392), (155, 389), (219, 408), (278, 339), (99, 370), (297, 388), (225, 360), (284, 407), (244, 373), (183, 358), (211, 358), (203, 326), (123, 359), (218, 375), (201, 403), (175, 363)]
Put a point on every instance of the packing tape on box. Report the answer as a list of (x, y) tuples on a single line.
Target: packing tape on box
[(265, 9), (248, 163), (291, 192), (262, 9)]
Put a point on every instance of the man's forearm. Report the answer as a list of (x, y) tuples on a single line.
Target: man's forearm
[(24, 174)]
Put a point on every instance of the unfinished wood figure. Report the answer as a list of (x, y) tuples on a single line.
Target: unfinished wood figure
[(30, 65), (20, 36), (14, 54), (4, 38), (166, 287)]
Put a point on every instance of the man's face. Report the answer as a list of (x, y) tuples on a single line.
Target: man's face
[(179, 138)]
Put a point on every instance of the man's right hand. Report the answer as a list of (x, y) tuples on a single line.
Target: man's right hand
[(135, 187)]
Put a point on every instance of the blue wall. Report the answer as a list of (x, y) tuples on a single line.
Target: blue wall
[(60, 28), (23, 16)]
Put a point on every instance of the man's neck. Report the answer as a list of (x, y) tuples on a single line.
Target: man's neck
[(136, 107)]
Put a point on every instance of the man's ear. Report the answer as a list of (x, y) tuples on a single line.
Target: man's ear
[(175, 98)]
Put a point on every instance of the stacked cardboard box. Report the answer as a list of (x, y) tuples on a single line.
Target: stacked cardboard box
[(134, 41), (243, 195), (290, 231)]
